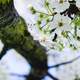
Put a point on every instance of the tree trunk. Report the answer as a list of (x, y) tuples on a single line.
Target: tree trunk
[(14, 34)]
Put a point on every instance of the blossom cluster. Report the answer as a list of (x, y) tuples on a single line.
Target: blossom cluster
[(57, 31)]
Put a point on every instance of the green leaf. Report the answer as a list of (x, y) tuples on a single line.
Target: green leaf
[(46, 3), (33, 10), (38, 22), (76, 21)]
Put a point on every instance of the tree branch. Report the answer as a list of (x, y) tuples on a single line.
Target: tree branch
[(64, 63)]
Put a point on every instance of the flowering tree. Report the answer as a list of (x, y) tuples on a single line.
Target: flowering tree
[(53, 24), (60, 26), (58, 22)]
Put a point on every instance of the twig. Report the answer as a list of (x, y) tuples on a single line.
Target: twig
[(65, 63), (44, 13)]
